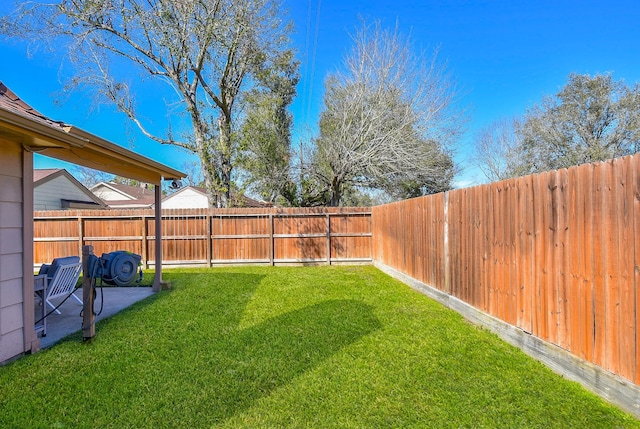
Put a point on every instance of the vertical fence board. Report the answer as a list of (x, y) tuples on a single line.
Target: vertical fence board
[(599, 256), (529, 286), (520, 257), (475, 278), (469, 240), (421, 219), (575, 224), (636, 261), (611, 285), (539, 292), (495, 254), (459, 284), (553, 254), (446, 268), (562, 277), (506, 252), (451, 237), (624, 210), (588, 277), (440, 237), (424, 242), (501, 303), (512, 268), (487, 254)]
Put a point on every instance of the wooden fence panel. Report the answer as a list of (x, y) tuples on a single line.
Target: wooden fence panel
[(556, 254), (422, 227), (350, 237), (44, 252), (59, 234), (209, 237)]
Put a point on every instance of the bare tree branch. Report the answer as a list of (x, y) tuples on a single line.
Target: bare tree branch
[(389, 117), (202, 50)]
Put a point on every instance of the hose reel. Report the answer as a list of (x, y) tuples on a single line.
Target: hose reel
[(119, 268)]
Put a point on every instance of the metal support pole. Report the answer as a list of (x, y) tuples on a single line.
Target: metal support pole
[(88, 318), (157, 281)]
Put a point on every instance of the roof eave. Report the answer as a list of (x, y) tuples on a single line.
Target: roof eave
[(40, 135), (101, 144), (77, 146)]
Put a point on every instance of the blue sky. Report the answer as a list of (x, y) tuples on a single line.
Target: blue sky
[(504, 55)]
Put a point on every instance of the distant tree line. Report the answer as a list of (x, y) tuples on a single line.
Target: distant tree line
[(592, 118)]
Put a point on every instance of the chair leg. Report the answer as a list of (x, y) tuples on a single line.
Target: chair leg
[(77, 299), (43, 311), (53, 307)]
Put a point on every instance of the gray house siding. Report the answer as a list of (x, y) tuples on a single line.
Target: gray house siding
[(48, 195), (12, 316)]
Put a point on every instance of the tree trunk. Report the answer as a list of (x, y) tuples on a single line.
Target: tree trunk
[(336, 192), (224, 123), (206, 165)]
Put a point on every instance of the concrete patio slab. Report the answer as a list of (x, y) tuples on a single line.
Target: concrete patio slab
[(115, 299)]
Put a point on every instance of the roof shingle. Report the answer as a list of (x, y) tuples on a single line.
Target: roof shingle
[(11, 102)]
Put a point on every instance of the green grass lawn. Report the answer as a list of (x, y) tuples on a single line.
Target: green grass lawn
[(315, 347)]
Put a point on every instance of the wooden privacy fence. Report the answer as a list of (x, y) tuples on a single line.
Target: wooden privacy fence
[(210, 237), (556, 254)]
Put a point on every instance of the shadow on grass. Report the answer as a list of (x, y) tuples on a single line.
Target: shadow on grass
[(250, 364), (178, 359)]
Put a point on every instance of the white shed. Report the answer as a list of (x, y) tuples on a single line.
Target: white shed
[(188, 197), (193, 197)]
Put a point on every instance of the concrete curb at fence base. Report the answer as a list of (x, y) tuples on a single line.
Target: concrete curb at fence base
[(614, 389)]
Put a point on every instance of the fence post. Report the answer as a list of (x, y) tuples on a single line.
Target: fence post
[(80, 234), (209, 240), (447, 273), (328, 239), (271, 241)]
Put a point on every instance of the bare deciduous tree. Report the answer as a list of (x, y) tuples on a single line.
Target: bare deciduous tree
[(388, 117), (497, 150), (590, 119), (204, 53), (89, 177)]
